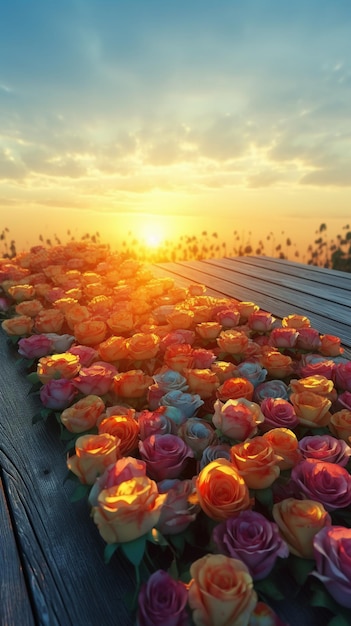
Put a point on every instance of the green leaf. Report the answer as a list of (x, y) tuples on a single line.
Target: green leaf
[(268, 589), (264, 497), (33, 378), (173, 569), (134, 550), (43, 414), (82, 491), (300, 568), (109, 551)]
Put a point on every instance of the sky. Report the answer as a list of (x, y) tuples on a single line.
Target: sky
[(161, 117)]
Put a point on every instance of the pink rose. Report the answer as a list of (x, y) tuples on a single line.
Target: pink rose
[(278, 413), (283, 337), (162, 600), (345, 400), (342, 376), (87, 355), (58, 394), (325, 448), (312, 364), (325, 482), (202, 359), (177, 511), (308, 339), (237, 419), (260, 321), (252, 539), (96, 379), (35, 346), (165, 456), (155, 423), (124, 469), (332, 550), (228, 318)]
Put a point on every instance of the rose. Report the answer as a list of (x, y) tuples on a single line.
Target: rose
[(177, 511), (187, 403), (180, 318), (325, 448), (169, 380), (76, 314), (220, 592), (278, 413), (21, 292), (86, 354), (123, 469), (82, 415), (121, 321), (49, 321), (256, 461), (311, 408), (224, 370), (254, 540), (234, 388), (277, 365), (162, 600), (221, 490), (58, 394), (29, 307), (129, 510), (213, 452), (19, 325), (96, 379), (125, 428), (340, 424), (342, 376), (93, 454), (260, 321), (65, 365), (155, 423), (178, 356), (61, 343), (166, 456), (113, 349), (345, 400), (246, 309), (131, 384), (312, 364), (181, 336), (271, 389), (203, 382), (330, 345), (332, 548), (296, 321), (228, 318), (253, 372), (286, 446), (35, 346), (143, 346), (197, 434), (237, 419), (299, 521), (325, 482), (308, 339), (208, 330), (317, 384), (233, 342), (283, 337), (90, 332), (202, 358)]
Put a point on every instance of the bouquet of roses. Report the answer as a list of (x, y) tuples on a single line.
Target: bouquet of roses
[(211, 439)]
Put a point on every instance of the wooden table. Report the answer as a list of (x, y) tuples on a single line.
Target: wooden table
[(52, 571)]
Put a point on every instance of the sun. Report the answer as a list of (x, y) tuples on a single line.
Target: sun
[(152, 235)]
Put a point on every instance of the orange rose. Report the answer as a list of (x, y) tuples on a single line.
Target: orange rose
[(65, 365), (128, 510), (224, 370), (131, 384), (235, 388), (246, 309), (75, 314), (277, 365), (256, 462), (208, 330), (21, 292), (20, 326), (90, 333), (330, 345), (204, 382), (221, 591), (311, 408), (178, 356), (296, 321), (233, 341), (113, 349), (143, 346), (29, 307), (317, 384), (197, 289), (83, 414), (340, 425), (285, 445), (96, 289), (121, 321), (49, 321), (221, 490), (94, 453), (125, 428), (180, 318), (299, 521)]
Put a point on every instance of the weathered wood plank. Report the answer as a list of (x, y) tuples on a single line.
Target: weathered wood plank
[(61, 549)]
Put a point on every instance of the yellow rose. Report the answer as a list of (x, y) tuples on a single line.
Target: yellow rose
[(129, 510), (221, 591), (317, 384), (256, 462), (299, 521), (208, 330), (221, 490), (94, 453), (311, 408)]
